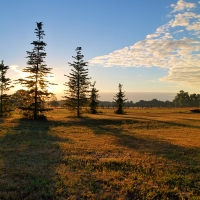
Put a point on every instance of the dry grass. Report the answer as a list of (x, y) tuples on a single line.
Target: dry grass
[(145, 154)]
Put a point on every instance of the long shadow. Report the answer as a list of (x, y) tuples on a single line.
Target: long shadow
[(185, 161), (196, 120), (181, 155), (29, 155), (1, 120), (117, 120), (170, 123)]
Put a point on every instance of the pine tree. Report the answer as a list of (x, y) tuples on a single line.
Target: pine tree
[(37, 82), (78, 84), (119, 101), (5, 85), (93, 99)]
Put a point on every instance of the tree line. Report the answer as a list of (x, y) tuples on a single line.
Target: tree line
[(140, 104), (181, 100), (79, 93)]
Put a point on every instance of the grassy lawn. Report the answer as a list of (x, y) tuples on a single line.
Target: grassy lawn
[(145, 154)]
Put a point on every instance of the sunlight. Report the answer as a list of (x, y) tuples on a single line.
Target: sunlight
[(22, 74)]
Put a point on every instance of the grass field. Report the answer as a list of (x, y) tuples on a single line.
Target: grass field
[(145, 154)]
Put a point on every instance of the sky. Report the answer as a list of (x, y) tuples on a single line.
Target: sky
[(150, 47)]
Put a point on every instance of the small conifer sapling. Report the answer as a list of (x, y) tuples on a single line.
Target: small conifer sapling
[(120, 101), (94, 99)]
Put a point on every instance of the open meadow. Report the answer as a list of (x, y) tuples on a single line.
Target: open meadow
[(144, 154)]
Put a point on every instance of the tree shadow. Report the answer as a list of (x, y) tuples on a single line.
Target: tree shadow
[(167, 123), (182, 155), (175, 124), (196, 120), (179, 165), (29, 155), (1, 120)]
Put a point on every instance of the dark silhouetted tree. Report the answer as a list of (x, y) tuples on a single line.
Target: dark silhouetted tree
[(119, 101), (5, 84), (194, 100), (182, 99), (154, 103), (37, 81), (93, 99), (78, 84), (21, 98)]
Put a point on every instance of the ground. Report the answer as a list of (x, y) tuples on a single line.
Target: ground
[(144, 154)]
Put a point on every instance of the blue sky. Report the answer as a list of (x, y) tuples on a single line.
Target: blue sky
[(147, 46)]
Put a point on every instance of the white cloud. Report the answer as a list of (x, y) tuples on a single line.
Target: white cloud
[(194, 26), (179, 20), (165, 49), (14, 68), (179, 31), (152, 36), (182, 5), (187, 75)]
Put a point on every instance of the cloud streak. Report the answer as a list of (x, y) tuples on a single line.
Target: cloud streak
[(14, 68), (175, 46), (20, 72)]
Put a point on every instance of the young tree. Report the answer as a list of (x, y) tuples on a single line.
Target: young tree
[(5, 85), (36, 82), (78, 84), (93, 99), (119, 101)]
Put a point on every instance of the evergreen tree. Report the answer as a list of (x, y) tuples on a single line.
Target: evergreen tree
[(93, 99), (119, 100), (37, 83), (5, 86), (78, 84)]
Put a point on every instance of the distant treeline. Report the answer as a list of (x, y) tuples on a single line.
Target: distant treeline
[(141, 103), (128, 104), (182, 99)]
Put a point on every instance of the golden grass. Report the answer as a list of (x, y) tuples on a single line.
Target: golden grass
[(145, 154)]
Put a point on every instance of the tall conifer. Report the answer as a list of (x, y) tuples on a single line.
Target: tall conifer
[(78, 84), (36, 82)]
